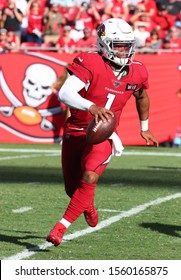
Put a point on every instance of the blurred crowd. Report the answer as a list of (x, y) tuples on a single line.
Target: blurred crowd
[(70, 25)]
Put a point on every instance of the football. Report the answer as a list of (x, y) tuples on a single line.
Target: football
[(97, 133)]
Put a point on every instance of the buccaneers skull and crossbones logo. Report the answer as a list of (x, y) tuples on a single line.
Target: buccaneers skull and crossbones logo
[(37, 82)]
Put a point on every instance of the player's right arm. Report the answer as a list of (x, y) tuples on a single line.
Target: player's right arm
[(69, 94)]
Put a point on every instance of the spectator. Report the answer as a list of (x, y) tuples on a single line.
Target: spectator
[(99, 6), (141, 17), (150, 7), (116, 9), (35, 23), (141, 34), (3, 40), (13, 42), (88, 15), (166, 44), (155, 41), (152, 43), (22, 5), (163, 21), (69, 13), (88, 41), (175, 40), (96, 17), (12, 18), (65, 42), (137, 13), (147, 47), (8, 41), (131, 7), (53, 21), (44, 5), (77, 32), (173, 6)]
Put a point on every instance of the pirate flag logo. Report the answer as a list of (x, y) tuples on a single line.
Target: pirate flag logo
[(28, 109)]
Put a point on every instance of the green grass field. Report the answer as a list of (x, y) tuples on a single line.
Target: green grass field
[(138, 200)]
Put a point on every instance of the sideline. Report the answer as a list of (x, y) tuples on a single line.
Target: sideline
[(105, 223)]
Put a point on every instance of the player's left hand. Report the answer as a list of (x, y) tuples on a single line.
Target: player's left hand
[(148, 136)]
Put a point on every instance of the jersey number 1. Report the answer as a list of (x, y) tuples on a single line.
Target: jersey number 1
[(110, 100)]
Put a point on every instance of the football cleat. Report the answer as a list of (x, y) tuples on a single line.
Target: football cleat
[(91, 216), (56, 234)]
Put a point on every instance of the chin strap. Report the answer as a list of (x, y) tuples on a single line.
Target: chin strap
[(121, 72)]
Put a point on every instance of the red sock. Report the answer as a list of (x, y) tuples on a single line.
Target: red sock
[(80, 201)]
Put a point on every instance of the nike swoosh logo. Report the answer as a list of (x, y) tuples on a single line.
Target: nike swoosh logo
[(76, 128), (80, 59)]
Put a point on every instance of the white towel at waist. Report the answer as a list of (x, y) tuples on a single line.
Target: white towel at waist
[(117, 145)]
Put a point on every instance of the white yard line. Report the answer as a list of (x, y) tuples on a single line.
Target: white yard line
[(164, 154), (105, 223), (22, 210), (18, 157), (28, 156), (131, 153), (28, 150), (110, 210), (58, 153)]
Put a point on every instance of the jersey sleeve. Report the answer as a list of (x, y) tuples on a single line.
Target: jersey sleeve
[(144, 77), (81, 67), (140, 75)]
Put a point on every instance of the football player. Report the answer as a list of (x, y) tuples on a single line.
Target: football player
[(99, 84)]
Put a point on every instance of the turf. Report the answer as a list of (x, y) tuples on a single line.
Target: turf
[(33, 178)]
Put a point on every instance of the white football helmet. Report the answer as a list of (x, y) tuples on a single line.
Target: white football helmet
[(116, 32)]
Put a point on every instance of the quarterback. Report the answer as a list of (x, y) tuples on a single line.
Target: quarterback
[(99, 84)]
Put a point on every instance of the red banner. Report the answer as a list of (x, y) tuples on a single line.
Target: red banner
[(165, 106), (30, 113)]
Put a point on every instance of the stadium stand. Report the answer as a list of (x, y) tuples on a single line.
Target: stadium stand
[(44, 22)]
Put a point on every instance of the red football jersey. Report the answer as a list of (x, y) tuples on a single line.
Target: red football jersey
[(104, 88)]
